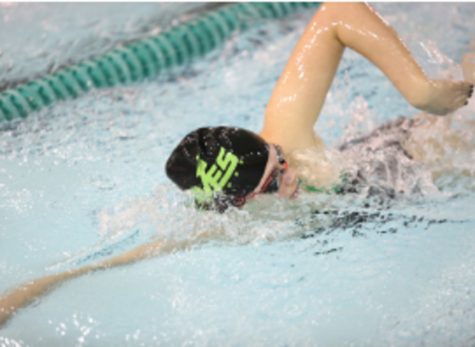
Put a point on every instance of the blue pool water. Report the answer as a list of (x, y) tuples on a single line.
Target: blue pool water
[(84, 180)]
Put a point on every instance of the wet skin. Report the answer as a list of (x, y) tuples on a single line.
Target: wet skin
[(300, 92)]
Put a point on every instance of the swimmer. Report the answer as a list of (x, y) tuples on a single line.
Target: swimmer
[(278, 159), (228, 166)]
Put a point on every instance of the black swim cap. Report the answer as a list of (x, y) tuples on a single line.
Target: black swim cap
[(221, 165)]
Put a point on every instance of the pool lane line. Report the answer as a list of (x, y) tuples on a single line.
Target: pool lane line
[(142, 59)]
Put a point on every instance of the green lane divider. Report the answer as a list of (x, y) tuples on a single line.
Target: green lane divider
[(141, 59)]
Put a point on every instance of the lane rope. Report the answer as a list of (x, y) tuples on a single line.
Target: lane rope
[(142, 59)]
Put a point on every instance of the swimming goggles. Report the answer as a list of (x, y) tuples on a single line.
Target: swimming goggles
[(272, 182)]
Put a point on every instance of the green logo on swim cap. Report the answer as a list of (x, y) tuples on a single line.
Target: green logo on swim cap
[(218, 175)]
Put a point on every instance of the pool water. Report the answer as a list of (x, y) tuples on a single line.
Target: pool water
[(84, 180)]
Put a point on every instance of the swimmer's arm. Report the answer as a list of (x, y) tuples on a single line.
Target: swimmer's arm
[(300, 92), (28, 292)]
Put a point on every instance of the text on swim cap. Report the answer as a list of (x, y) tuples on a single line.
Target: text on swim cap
[(218, 175)]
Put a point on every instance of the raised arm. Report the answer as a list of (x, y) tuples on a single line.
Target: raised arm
[(300, 92)]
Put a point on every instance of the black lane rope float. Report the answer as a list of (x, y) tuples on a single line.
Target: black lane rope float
[(141, 59)]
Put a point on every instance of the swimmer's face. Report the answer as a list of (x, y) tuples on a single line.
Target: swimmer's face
[(278, 177)]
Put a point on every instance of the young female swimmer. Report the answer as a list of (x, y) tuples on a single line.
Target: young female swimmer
[(228, 166), (231, 165)]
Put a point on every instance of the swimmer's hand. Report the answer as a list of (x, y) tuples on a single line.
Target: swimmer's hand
[(441, 97)]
